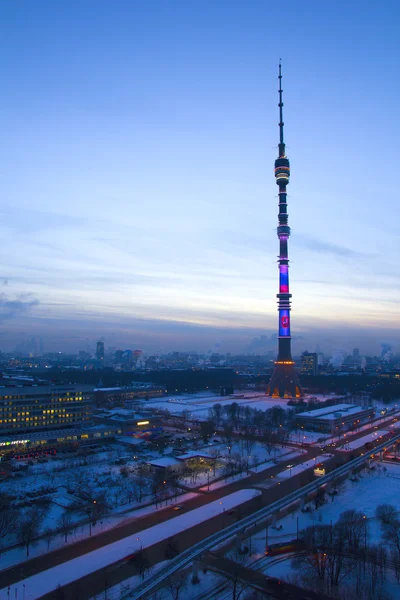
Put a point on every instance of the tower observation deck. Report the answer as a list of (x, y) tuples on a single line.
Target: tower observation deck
[(284, 382)]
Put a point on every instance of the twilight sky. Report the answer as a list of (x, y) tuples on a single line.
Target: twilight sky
[(138, 200)]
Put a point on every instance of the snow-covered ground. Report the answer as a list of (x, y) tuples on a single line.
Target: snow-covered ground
[(18, 555), (373, 488), (47, 581), (197, 405)]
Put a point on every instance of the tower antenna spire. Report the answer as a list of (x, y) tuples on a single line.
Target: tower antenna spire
[(284, 382), (281, 142)]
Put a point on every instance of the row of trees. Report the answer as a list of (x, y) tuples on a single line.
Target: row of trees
[(240, 416), (341, 552)]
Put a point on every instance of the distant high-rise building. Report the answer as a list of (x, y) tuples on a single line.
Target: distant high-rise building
[(100, 350), (309, 363), (284, 382), (356, 356)]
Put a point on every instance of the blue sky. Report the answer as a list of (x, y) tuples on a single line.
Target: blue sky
[(136, 172)]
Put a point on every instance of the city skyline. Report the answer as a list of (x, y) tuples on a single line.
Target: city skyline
[(136, 172)]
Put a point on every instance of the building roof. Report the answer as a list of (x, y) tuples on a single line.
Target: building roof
[(165, 461), (24, 390), (56, 433), (355, 410), (330, 412), (193, 454), (132, 441)]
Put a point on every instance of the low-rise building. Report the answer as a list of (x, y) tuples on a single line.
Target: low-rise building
[(126, 397), (40, 443), (130, 422), (331, 419)]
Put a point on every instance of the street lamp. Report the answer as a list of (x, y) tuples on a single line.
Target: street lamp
[(141, 545)]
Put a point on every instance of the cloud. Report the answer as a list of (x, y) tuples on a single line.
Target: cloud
[(32, 220), (326, 247), (10, 308)]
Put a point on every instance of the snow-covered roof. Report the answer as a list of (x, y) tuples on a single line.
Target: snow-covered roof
[(193, 454), (126, 439), (327, 410), (165, 461)]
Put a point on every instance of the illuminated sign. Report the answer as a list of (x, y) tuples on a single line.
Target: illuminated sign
[(14, 442), (285, 322), (143, 423)]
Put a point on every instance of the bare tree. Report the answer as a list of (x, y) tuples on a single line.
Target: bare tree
[(227, 436), (236, 585), (29, 527), (386, 513), (176, 584), (8, 523), (49, 536), (140, 481), (391, 535), (65, 524)]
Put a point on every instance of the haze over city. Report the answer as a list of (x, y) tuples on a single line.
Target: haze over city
[(136, 174)]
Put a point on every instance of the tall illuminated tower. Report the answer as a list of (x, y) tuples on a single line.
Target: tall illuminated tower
[(284, 381)]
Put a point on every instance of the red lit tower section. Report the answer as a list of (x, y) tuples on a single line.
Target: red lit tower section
[(284, 381)]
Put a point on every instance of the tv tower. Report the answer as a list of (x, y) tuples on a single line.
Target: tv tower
[(284, 382)]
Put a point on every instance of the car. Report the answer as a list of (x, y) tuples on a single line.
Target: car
[(178, 507), (272, 580)]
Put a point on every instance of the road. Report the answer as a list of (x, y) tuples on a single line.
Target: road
[(134, 525)]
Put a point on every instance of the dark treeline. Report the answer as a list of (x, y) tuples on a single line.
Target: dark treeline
[(175, 381), (193, 380)]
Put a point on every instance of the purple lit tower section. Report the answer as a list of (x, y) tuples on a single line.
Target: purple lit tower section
[(284, 381)]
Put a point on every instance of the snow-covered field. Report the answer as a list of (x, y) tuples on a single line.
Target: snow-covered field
[(373, 488), (47, 581), (197, 405)]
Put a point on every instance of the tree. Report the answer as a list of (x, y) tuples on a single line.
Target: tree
[(319, 498), (207, 429), (65, 524), (95, 509), (236, 585), (172, 549), (354, 529), (140, 481), (157, 486), (8, 523), (176, 584), (386, 513), (214, 455), (216, 414), (29, 527), (391, 535), (141, 561), (227, 436), (49, 536)]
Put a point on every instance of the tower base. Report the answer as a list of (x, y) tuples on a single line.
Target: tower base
[(284, 381)]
